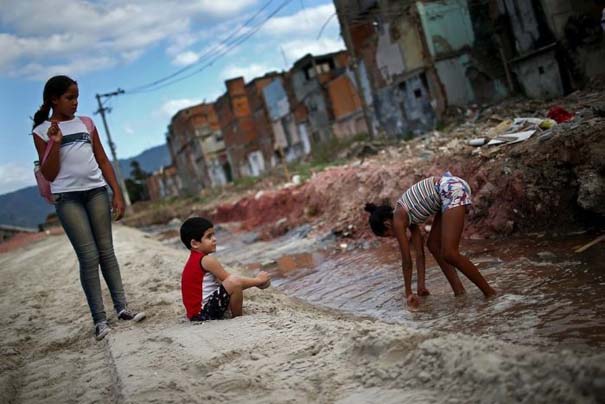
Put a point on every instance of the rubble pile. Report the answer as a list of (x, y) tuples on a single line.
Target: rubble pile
[(551, 180)]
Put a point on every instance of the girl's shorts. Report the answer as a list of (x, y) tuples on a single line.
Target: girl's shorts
[(454, 192)]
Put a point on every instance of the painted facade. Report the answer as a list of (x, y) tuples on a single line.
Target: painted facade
[(197, 149), (164, 183)]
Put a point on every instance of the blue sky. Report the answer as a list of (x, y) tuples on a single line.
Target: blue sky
[(110, 44)]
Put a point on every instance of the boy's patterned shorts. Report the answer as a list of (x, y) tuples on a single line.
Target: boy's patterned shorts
[(215, 307), (454, 192)]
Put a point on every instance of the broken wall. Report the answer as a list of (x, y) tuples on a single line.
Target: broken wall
[(577, 27), (389, 57), (447, 26), (310, 92), (283, 121), (539, 75)]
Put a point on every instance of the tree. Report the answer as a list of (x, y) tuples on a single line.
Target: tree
[(136, 185)]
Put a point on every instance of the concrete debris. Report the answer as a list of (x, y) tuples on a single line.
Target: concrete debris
[(478, 141), (511, 138), (593, 242)]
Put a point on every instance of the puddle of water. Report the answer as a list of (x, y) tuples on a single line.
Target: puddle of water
[(549, 296)]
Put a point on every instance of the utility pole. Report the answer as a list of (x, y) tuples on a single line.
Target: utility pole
[(344, 23), (112, 146)]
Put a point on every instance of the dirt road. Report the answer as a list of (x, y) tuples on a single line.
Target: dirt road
[(281, 351)]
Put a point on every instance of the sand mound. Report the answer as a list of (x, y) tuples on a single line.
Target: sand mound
[(281, 351)]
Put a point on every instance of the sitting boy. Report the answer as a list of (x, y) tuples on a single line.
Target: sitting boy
[(207, 289)]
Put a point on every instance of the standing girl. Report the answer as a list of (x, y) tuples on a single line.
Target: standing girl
[(447, 198), (79, 171)]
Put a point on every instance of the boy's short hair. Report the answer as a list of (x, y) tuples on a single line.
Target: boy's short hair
[(194, 229)]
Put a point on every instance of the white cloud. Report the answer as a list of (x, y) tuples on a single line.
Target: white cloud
[(14, 177), (186, 58), (307, 21), (224, 7), (249, 72), (171, 107), (74, 68), (298, 48), (128, 129), (108, 29)]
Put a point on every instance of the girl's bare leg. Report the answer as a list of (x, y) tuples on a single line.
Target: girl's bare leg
[(451, 231), (434, 246)]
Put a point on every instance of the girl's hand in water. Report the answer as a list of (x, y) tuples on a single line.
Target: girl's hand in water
[(413, 301), (118, 206), (423, 292), (54, 132)]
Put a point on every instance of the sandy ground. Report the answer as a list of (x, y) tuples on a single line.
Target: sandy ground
[(281, 351)]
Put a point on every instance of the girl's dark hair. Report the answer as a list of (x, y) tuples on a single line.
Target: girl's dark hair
[(378, 215), (194, 229), (54, 88)]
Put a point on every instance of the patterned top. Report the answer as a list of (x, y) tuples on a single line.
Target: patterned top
[(421, 200)]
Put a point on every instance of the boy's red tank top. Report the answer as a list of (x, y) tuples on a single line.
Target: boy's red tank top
[(191, 283)]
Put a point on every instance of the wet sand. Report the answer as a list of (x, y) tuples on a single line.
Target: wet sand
[(282, 350)]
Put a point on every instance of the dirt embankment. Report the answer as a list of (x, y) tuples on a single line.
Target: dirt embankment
[(539, 184)]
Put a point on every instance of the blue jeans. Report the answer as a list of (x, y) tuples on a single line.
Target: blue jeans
[(86, 219)]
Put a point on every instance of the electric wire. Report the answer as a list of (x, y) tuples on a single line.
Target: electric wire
[(238, 42), (208, 52)]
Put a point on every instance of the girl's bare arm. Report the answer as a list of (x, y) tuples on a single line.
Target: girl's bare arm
[(51, 166), (104, 163), (400, 222), (418, 245)]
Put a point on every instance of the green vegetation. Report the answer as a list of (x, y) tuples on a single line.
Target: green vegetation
[(326, 154), (244, 183)]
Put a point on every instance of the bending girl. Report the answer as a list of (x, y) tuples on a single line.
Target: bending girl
[(447, 198)]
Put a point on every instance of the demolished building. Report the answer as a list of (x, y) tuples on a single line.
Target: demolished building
[(424, 57), (197, 150)]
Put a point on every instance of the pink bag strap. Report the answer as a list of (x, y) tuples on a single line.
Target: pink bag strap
[(49, 145), (90, 127)]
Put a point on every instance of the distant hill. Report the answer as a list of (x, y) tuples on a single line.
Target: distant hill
[(150, 160), (26, 208)]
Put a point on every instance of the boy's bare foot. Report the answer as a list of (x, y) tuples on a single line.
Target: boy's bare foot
[(423, 292), (460, 293)]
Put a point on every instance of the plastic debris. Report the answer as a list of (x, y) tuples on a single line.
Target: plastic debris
[(480, 141), (559, 114), (547, 123), (511, 138), (593, 242)]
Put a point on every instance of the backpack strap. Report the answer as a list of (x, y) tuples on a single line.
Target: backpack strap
[(49, 145), (90, 127)]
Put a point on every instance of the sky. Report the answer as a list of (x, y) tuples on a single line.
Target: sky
[(109, 44)]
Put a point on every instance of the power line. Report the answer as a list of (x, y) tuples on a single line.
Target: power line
[(220, 54), (325, 24), (116, 163), (206, 53)]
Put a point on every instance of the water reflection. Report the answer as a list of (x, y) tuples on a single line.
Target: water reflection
[(549, 296)]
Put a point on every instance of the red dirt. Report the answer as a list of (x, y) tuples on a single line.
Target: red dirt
[(523, 187)]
